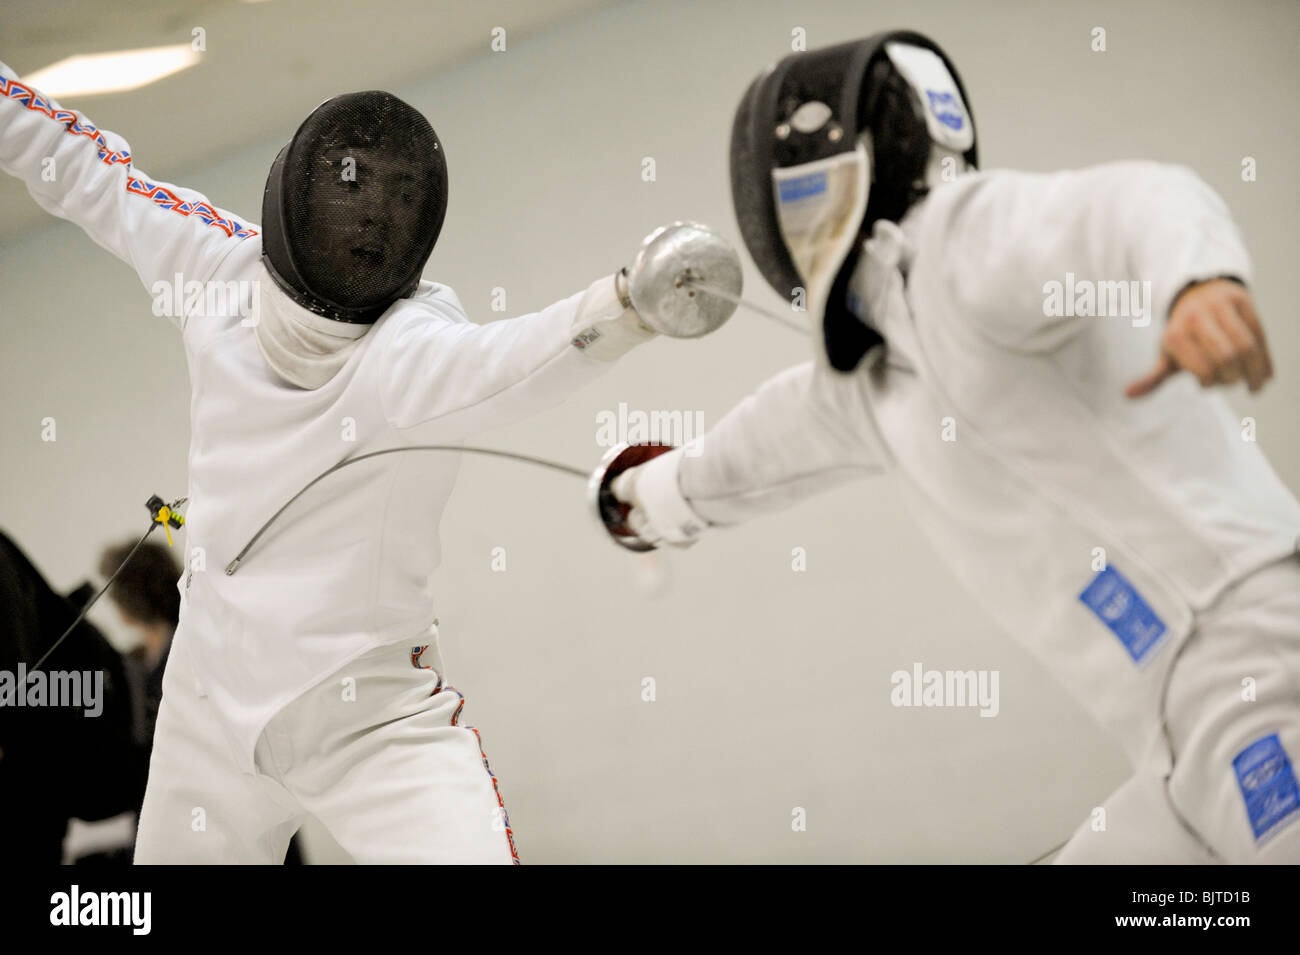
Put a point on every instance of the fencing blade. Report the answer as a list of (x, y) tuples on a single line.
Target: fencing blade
[(789, 323)]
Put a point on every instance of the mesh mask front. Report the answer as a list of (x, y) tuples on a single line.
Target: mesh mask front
[(353, 206)]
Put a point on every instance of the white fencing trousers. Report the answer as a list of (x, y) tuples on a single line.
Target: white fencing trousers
[(374, 752), (1232, 729)]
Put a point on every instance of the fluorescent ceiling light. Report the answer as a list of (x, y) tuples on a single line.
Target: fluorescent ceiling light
[(112, 72)]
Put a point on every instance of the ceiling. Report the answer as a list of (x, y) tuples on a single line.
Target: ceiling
[(265, 66)]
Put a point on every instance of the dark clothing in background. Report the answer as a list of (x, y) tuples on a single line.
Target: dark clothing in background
[(55, 762), (146, 693)]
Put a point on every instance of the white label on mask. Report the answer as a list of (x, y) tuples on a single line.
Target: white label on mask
[(819, 207), (945, 114)]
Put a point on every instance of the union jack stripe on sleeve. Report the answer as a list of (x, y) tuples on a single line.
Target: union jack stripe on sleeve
[(160, 196)]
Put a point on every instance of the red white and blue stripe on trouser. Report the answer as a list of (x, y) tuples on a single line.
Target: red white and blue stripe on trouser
[(416, 653)]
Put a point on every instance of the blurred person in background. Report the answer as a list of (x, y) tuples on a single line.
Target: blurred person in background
[(58, 762), (149, 605)]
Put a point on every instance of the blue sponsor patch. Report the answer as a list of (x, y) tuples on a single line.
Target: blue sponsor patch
[(800, 187), (1268, 784), (1120, 607), (946, 109)]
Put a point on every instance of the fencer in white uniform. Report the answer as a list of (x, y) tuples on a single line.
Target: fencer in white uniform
[(309, 680), (1120, 522)]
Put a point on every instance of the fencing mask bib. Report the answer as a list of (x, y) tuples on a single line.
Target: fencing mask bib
[(353, 206), (826, 142)]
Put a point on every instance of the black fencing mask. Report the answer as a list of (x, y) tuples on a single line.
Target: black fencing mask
[(825, 143), (353, 206)]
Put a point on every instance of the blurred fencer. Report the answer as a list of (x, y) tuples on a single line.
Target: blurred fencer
[(310, 681), (1112, 515)]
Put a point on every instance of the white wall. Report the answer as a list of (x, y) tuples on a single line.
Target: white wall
[(773, 686)]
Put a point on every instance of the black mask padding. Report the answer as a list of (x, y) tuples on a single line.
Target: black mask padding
[(900, 151), (353, 206), (846, 337), (900, 145)]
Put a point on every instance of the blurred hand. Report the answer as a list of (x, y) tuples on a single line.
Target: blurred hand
[(1212, 332), (625, 517)]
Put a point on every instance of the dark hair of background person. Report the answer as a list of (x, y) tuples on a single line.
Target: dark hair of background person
[(146, 588)]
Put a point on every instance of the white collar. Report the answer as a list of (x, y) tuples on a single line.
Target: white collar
[(303, 348)]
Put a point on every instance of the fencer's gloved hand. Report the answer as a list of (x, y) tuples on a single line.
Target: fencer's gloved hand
[(636, 498)]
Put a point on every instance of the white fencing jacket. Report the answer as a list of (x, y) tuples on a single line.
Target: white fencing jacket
[(1009, 429), (348, 567)]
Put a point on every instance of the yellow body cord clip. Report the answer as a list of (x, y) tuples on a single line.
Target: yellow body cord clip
[(166, 515)]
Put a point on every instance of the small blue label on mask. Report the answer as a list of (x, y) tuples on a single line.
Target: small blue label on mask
[(800, 187), (1121, 608), (1268, 784), (946, 109)]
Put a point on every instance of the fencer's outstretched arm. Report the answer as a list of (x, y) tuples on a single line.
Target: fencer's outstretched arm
[(994, 241), (471, 377), (804, 431), (79, 172)]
